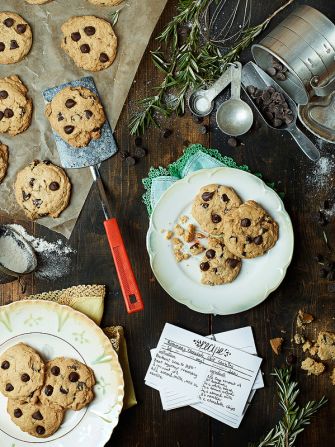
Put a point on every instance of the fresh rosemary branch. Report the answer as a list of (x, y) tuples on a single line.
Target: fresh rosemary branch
[(295, 418), (188, 62)]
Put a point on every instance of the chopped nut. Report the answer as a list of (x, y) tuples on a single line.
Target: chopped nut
[(312, 367), (306, 346), (186, 256), (314, 349), (190, 233), (299, 339), (197, 248), (276, 344), (304, 318), (183, 219), (179, 230), (199, 236), (179, 255), (326, 342), (168, 235)]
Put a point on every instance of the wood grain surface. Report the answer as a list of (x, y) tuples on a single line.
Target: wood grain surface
[(277, 157)]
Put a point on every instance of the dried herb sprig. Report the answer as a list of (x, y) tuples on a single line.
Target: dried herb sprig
[(187, 62), (295, 418)]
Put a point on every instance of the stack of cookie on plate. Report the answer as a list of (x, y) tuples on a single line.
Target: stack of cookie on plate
[(234, 231), (39, 393)]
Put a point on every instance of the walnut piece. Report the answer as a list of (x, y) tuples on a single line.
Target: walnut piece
[(168, 235), (197, 248), (304, 318), (189, 234), (276, 344), (179, 230)]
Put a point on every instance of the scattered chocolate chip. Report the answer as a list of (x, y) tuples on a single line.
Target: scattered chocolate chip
[(37, 416), (25, 196), (258, 240), (17, 413), (9, 387), (140, 152), (8, 22), (25, 377), (69, 103), (8, 113), (244, 253), (88, 114), (13, 45), (245, 222), (216, 218), (3, 94), (204, 205), (138, 142), (232, 262), (40, 430), (103, 58), (130, 161), (85, 48), (63, 390), (271, 71), (167, 133), (232, 142), (291, 359), (210, 254), (73, 377), (21, 28), (48, 390), (2, 47), (76, 36), (5, 364), (203, 129), (96, 129), (204, 266), (54, 186), (89, 30), (225, 198), (37, 202), (207, 196), (68, 129), (281, 76)]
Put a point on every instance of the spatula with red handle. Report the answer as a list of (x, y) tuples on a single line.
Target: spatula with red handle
[(91, 156)]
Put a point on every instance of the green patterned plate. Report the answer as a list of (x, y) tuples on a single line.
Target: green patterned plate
[(56, 330)]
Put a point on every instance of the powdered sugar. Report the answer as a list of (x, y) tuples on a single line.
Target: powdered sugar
[(54, 258), (323, 173), (12, 254)]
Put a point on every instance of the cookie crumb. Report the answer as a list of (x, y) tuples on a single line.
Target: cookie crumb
[(179, 230), (276, 344), (199, 235), (306, 346), (304, 318), (326, 343), (312, 367), (189, 234), (168, 235), (299, 339), (196, 249), (183, 219)]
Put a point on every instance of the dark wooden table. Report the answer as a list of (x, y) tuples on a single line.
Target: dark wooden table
[(278, 158)]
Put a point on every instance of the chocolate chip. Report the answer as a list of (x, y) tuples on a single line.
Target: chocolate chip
[(3, 94), (248, 239), (232, 262), (103, 58), (37, 202), (68, 129), (140, 152), (89, 30), (60, 117), (63, 390), (204, 205), (244, 253), (130, 161), (204, 266), (48, 390), (40, 430), (9, 387), (258, 240), (69, 103), (96, 129), (55, 370), (25, 196), (281, 76), (291, 359), (36, 162), (1, 115), (76, 36), (225, 198), (167, 133), (54, 186), (277, 122), (13, 45), (2, 46), (47, 162), (8, 113), (138, 142), (207, 196), (5, 364), (37, 416), (216, 218), (17, 413), (31, 182), (85, 48), (232, 142), (210, 254), (21, 28), (73, 377), (245, 222), (25, 377), (88, 114), (271, 71), (8, 22)]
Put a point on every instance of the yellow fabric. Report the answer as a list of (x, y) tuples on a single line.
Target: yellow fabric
[(89, 299)]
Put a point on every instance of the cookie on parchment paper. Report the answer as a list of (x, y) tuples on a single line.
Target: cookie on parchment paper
[(4, 155), (15, 38)]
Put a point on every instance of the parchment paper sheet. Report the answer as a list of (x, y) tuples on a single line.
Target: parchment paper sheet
[(47, 65)]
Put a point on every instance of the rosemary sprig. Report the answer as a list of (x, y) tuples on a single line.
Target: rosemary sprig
[(295, 418), (187, 62)]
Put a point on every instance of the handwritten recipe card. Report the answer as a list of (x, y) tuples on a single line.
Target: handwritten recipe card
[(189, 369)]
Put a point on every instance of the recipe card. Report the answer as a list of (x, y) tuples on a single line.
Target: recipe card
[(199, 368)]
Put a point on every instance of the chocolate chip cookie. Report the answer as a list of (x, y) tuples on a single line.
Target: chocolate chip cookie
[(42, 189), (68, 383), (3, 161), (106, 2), (21, 373), (211, 205), (219, 265), (249, 231), (15, 38), (90, 42), (77, 115), (15, 106), (36, 419)]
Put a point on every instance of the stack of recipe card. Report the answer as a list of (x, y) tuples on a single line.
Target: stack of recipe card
[(217, 375)]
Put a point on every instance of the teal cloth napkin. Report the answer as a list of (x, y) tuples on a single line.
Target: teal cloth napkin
[(195, 157)]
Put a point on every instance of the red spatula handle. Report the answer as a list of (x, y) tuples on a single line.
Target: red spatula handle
[(129, 287)]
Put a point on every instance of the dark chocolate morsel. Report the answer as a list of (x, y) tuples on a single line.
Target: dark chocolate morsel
[(216, 218), (207, 196), (8, 22), (73, 377), (9, 387), (85, 48), (63, 390), (48, 390), (258, 240), (89, 30), (17, 413), (8, 113), (40, 430), (13, 45), (225, 198), (37, 202), (37, 416), (3, 94), (210, 254), (103, 58), (54, 186), (204, 205), (69, 103), (232, 262), (21, 28), (25, 196), (204, 266), (25, 377), (2, 46), (88, 114), (55, 371), (75, 36), (5, 364), (68, 129), (245, 222)]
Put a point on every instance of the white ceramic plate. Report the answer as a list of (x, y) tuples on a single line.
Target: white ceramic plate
[(55, 330), (258, 277)]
